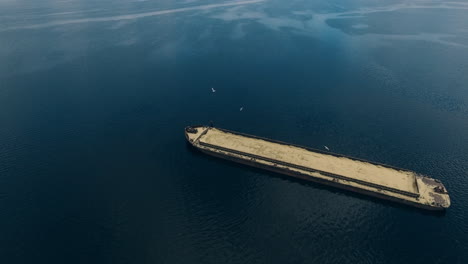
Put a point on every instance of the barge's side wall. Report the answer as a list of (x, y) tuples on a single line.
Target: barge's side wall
[(317, 180)]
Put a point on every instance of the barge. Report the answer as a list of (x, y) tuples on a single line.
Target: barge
[(370, 178)]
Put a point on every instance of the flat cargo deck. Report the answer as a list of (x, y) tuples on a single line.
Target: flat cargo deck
[(333, 169), (363, 171)]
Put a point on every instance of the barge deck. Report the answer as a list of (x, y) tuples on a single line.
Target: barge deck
[(365, 177)]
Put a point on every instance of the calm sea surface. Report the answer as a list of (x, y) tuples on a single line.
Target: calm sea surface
[(94, 96)]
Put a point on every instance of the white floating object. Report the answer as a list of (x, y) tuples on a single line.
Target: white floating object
[(242, 108), (213, 90), (326, 147)]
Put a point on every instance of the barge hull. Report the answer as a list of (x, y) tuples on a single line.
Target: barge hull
[(319, 181), (304, 163)]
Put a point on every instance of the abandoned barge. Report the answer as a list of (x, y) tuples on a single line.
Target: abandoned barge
[(328, 168)]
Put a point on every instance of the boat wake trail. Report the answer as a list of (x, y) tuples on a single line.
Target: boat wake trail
[(133, 16)]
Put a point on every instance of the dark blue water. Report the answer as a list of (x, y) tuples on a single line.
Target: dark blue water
[(94, 96)]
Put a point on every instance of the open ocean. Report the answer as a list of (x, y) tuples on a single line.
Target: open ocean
[(94, 97)]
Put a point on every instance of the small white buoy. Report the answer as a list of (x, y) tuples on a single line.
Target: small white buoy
[(213, 90), (326, 147), (242, 108)]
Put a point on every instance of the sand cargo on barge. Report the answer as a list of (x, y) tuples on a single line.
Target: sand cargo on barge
[(344, 172)]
